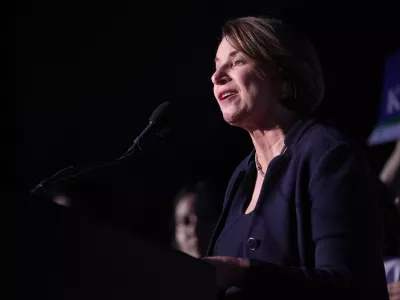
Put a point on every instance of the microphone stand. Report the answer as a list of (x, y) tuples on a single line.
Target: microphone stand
[(63, 175), (146, 138)]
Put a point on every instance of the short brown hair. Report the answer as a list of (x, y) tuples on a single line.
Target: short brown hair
[(288, 54)]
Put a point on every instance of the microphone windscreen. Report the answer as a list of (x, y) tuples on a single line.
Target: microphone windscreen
[(162, 113)]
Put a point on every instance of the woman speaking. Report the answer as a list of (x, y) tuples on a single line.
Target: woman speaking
[(300, 218)]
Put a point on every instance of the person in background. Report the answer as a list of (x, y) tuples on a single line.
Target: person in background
[(194, 217), (390, 177), (390, 174)]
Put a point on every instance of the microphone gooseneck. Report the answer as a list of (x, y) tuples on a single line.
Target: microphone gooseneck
[(158, 120)]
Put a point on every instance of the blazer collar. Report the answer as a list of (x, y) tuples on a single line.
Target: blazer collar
[(297, 132), (292, 137)]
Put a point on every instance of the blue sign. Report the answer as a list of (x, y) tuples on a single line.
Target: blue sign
[(388, 127)]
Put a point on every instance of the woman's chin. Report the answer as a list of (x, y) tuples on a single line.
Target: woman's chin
[(192, 251), (233, 118)]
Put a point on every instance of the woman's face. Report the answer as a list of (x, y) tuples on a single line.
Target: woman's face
[(245, 98), (189, 230)]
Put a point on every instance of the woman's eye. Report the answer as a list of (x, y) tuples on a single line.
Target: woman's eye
[(237, 62)]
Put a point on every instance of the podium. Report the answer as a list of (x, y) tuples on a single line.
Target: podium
[(104, 262)]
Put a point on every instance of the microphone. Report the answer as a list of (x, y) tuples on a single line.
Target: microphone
[(158, 121)]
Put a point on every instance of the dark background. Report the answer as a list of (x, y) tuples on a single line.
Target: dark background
[(89, 74)]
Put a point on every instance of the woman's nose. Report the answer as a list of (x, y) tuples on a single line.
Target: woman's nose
[(219, 77)]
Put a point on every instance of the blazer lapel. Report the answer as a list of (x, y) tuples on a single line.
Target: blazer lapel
[(231, 190)]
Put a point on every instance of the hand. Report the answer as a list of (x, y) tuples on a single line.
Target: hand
[(394, 290), (230, 271)]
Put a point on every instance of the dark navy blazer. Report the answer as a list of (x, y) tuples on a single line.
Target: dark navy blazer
[(318, 223)]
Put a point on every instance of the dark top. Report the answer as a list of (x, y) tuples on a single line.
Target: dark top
[(238, 223), (315, 232)]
